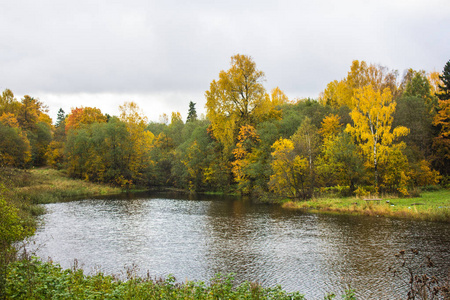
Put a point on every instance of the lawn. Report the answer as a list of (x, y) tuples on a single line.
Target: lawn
[(431, 205)]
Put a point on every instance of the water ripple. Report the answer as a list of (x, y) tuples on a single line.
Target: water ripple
[(194, 240)]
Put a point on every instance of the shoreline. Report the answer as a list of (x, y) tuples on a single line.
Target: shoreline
[(431, 206), (47, 185)]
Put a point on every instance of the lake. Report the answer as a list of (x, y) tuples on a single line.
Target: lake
[(196, 238)]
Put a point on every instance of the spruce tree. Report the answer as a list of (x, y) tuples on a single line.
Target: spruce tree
[(444, 93), (61, 116), (441, 120), (192, 114)]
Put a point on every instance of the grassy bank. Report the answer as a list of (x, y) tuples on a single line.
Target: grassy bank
[(47, 185), (25, 189), (431, 205)]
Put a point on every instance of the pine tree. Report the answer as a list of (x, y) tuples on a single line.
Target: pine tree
[(444, 93), (60, 117), (192, 114), (442, 121)]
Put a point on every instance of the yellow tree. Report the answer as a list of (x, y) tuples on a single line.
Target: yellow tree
[(84, 115), (336, 94), (9, 104), (372, 118), (290, 171), (330, 126), (140, 140), (278, 97), (340, 93), (435, 82), (238, 98), (30, 113), (245, 154)]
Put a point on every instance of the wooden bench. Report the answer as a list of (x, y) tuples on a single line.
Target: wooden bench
[(373, 199)]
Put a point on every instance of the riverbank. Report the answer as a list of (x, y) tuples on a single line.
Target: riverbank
[(45, 185), (431, 206), (29, 188), (26, 189)]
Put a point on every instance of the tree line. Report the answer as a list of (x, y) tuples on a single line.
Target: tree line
[(371, 131)]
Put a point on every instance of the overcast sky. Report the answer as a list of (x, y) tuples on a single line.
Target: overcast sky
[(163, 54)]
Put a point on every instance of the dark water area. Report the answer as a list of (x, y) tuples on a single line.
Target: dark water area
[(196, 238)]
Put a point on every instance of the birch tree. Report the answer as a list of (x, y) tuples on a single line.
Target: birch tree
[(372, 118)]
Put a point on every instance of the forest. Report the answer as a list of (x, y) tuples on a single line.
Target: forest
[(370, 132)]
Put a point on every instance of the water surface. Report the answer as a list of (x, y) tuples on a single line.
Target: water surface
[(194, 239)]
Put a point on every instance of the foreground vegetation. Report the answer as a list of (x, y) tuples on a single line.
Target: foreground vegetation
[(429, 205), (30, 278), (33, 279)]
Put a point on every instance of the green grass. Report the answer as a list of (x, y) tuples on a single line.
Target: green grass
[(431, 205), (33, 279), (45, 185), (26, 189)]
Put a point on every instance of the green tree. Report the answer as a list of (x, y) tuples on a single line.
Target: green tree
[(77, 154), (413, 113), (15, 149), (341, 162), (293, 115), (195, 156), (395, 170), (419, 86), (307, 144), (192, 113), (444, 88), (175, 129), (40, 140), (60, 118)]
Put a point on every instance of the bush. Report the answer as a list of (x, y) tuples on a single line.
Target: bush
[(430, 188), (11, 230), (33, 279)]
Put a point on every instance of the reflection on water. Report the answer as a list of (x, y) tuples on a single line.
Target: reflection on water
[(195, 239)]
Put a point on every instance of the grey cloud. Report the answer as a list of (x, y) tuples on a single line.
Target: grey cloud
[(180, 46)]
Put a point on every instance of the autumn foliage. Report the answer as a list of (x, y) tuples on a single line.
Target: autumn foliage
[(369, 132), (84, 115)]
